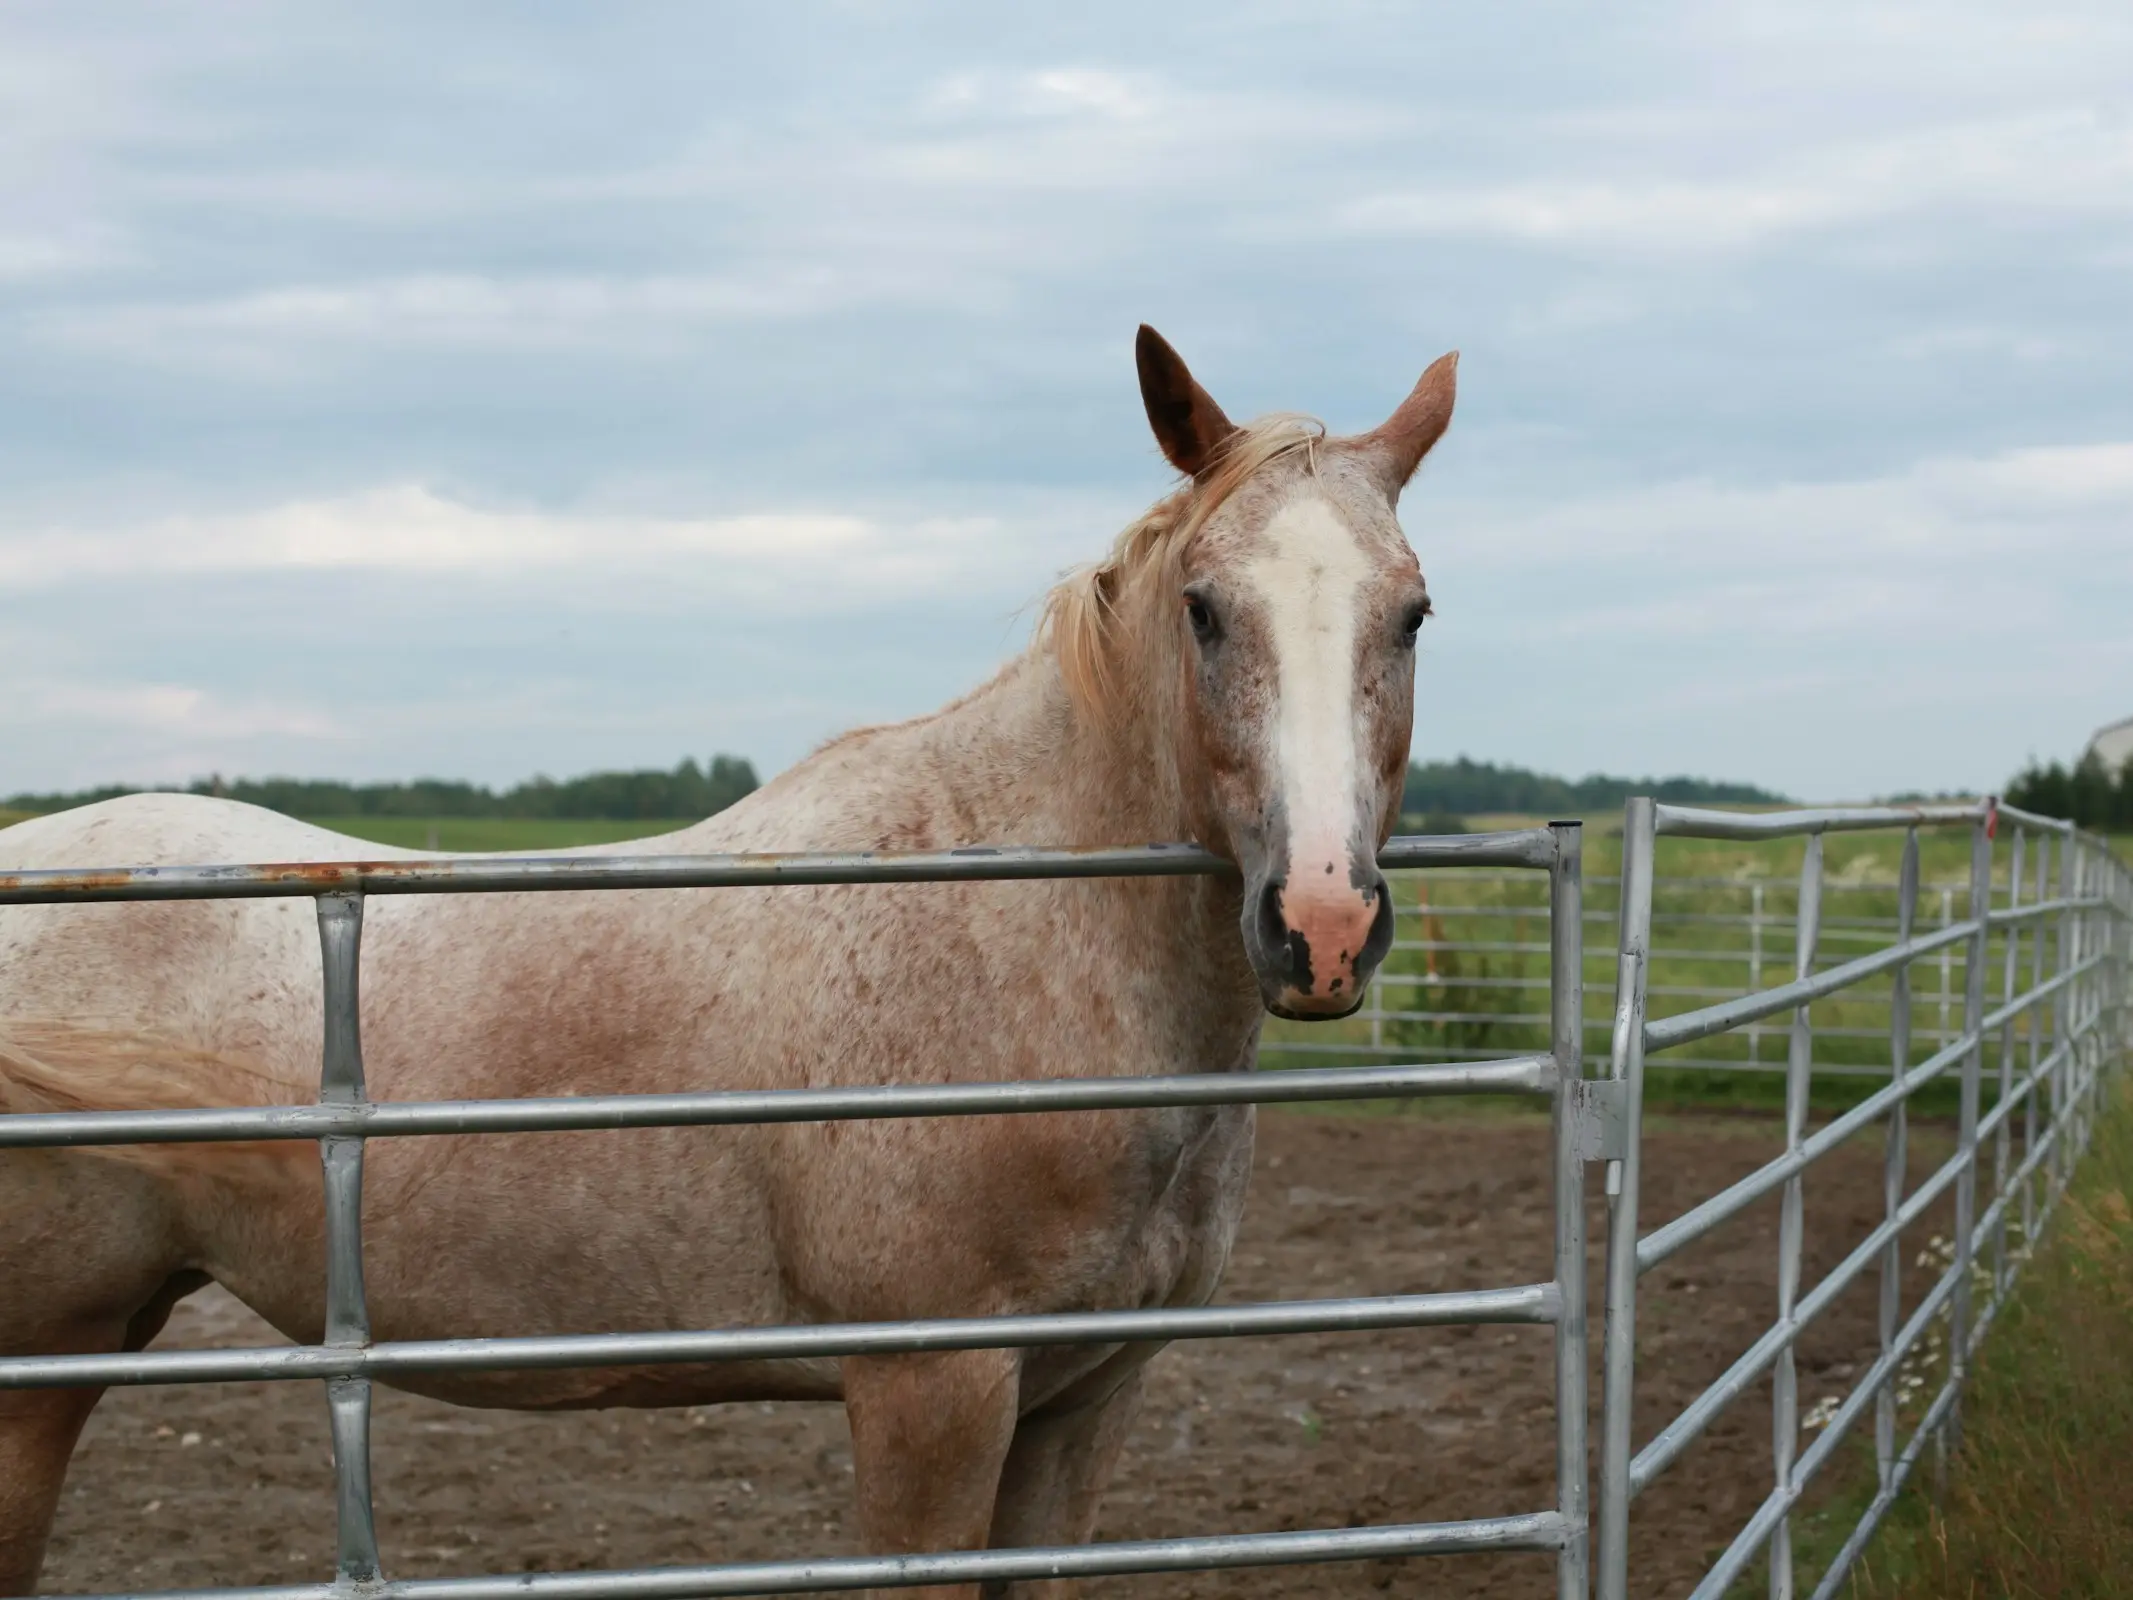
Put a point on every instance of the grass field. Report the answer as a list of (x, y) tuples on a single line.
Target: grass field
[(474, 833), (492, 833)]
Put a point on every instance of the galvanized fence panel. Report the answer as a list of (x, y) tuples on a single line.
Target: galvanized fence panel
[(2058, 1024), (1462, 979), (344, 1119), (2057, 1030)]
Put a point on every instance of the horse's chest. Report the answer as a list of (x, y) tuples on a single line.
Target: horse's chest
[(1177, 1254)]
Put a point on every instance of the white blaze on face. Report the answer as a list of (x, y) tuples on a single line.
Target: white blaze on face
[(1309, 585)]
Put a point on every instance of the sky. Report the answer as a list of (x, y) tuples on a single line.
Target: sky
[(489, 389)]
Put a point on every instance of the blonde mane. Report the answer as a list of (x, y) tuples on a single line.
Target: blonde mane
[(1099, 616)]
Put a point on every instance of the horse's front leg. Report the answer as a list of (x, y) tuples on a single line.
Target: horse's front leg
[(929, 1436), (1053, 1484)]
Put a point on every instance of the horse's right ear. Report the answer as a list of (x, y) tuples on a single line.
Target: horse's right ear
[(1188, 424)]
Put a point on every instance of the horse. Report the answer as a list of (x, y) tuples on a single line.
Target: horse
[(1237, 671)]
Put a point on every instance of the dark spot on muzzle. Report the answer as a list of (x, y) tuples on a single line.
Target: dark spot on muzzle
[(1284, 954)]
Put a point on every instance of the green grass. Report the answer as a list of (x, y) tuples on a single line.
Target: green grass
[(473, 833), (2039, 1503), (492, 833)]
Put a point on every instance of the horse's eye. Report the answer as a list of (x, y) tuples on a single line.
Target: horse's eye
[(1413, 623), (1200, 616)]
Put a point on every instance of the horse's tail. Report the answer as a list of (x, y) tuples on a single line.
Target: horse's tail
[(64, 1065)]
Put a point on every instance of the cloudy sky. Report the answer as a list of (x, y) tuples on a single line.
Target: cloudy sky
[(476, 390)]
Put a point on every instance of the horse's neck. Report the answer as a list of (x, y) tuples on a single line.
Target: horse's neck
[(1012, 763), (1025, 768)]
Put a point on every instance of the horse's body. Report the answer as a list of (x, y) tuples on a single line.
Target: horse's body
[(488, 996)]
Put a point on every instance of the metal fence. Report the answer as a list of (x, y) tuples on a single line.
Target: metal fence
[(344, 1119), (2063, 936), (2059, 1025), (1465, 978)]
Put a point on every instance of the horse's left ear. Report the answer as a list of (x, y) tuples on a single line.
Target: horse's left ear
[(1396, 447), (1188, 424)]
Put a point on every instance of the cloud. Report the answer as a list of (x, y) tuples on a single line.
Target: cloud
[(446, 311), (2050, 509), (803, 557), (161, 710), (1795, 342), (2064, 162)]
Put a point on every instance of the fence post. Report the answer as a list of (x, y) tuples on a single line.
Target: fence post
[(2065, 944), (1625, 1069), (1755, 965), (1947, 968), (1951, 1434), (2036, 1020), (2010, 968), (340, 934), (1566, 1009), (1895, 1162), (1799, 1068)]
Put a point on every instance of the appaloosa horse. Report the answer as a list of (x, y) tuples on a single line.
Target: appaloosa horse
[(1238, 671)]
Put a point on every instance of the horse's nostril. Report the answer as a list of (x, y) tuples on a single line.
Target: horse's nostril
[(1273, 926), (1379, 940)]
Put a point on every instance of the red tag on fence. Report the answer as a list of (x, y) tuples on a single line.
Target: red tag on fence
[(1992, 817)]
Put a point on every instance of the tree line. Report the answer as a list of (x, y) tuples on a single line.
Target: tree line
[(689, 792), (2088, 793), (1442, 788), (1464, 788)]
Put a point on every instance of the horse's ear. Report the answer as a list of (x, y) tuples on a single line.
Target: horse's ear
[(1396, 447), (1188, 424)]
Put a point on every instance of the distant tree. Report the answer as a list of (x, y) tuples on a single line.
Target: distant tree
[(1464, 787), (687, 793), (2089, 794)]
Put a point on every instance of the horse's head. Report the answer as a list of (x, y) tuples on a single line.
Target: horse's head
[(1295, 601)]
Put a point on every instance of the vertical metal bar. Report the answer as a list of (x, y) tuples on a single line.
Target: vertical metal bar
[(1625, 1067), (1566, 1006), (2035, 1021), (2085, 1005), (1947, 967), (1895, 1163), (2011, 963), (2063, 1018), (1755, 965), (1799, 1067), (1951, 1433), (340, 934)]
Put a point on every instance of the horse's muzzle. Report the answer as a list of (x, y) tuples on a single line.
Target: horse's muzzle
[(1314, 949)]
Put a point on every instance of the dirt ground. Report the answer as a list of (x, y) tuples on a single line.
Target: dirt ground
[(193, 1486)]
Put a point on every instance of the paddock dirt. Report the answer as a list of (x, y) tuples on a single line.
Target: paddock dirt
[(186, 1487)]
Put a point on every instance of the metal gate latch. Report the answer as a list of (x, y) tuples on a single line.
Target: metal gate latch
[(1601, 1106)]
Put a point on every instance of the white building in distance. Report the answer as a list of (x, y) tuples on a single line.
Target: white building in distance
[(2113, 745)]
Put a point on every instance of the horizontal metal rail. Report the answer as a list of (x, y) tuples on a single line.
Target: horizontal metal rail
[(1662, 1243), (1699, 1414), (1528, 1303), (1727, 1569), (1541, 1530), (1701, 1024), (1692, 822), (1531, 847), (1671, 1440), (1936, 1300), (1533, 1075), (1691, 1225)]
